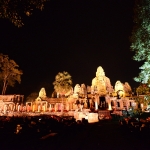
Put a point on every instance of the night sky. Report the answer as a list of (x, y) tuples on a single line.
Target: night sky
[(75, 36)]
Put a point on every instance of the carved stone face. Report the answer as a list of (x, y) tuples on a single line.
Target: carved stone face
[(102, 82), (42, 92), (77, 88), (83, 86), (118, 86), (127, 87), (100, 72)]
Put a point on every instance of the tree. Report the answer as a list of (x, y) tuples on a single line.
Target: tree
[(32, 97), (62, 83), (14, 9), (140, 39), (143, 89), (9, 72)]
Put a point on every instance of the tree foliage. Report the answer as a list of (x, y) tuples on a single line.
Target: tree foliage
[(143, 89), (63, 83), (140, 39), (32, 97), (143, 100), (14, 9), (9, 72)]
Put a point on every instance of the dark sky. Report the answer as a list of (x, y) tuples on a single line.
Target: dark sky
[(75, 36)]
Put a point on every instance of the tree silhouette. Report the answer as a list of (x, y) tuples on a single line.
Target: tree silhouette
[(9, 72), (62, 83), (14, 9)]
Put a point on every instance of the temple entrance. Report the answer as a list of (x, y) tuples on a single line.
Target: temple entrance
[(112, 103), (102, 102), (118, 104)]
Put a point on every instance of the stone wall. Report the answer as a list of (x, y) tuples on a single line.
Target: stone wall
[(12, 98), (56, 100)]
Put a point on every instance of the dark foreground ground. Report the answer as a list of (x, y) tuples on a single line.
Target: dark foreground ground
[(106, 134)]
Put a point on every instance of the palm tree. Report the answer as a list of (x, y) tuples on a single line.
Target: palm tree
[(62, 83)]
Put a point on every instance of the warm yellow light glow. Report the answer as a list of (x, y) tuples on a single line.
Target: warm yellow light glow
[(109, 106), (33, 108), (96, 105), (39, 108), (142, 106), (92, 117)]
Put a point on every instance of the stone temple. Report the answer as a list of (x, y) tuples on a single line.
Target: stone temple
[(100, 95)]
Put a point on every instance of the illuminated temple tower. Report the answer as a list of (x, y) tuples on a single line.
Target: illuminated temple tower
[(101, 84), (101, 88)]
